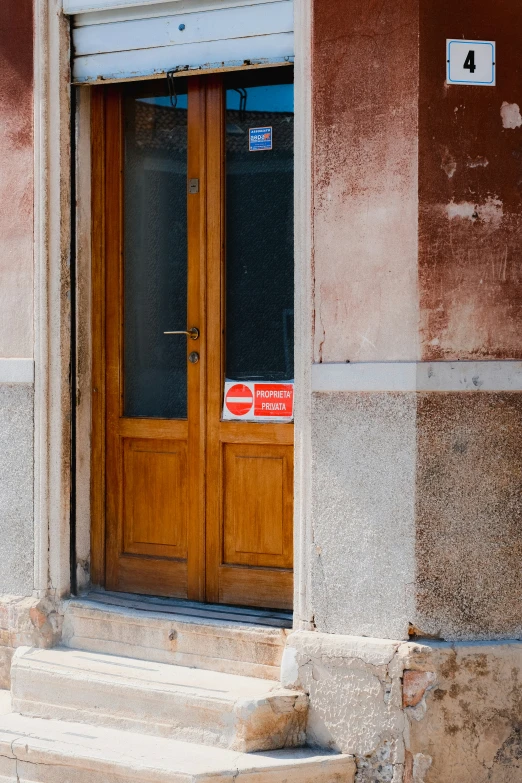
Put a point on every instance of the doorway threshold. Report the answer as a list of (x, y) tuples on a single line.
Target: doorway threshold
[(243, 615)]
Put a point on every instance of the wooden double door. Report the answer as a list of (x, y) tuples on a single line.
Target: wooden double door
[(192, 286)]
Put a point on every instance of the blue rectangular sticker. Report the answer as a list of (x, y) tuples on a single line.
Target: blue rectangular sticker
[(260, 139)]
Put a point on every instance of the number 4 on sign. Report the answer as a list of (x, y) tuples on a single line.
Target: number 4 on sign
[(471, 62)]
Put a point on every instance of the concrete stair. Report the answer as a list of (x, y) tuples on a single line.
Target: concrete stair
[(140, 630), (145, 692), (196, 705), (33, 750)]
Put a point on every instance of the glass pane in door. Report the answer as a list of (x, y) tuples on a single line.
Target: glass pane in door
[(260, 226), (155, 254)]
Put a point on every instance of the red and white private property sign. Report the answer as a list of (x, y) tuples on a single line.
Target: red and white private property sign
[(257, 401)]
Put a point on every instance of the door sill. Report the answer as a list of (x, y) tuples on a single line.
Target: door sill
[(271, 618)]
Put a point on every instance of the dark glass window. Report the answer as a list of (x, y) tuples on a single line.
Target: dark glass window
[(155, 255), (260, 227)]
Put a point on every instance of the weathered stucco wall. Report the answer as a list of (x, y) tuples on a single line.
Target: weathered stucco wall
[(16, 489), (16, 178), (470, 188), (363, 513), (365, 97), (417, 517), (469, 515), (418, 713), (466, 724), (417, 514)]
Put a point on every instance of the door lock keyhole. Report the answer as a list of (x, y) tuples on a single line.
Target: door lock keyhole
[(194, 357)]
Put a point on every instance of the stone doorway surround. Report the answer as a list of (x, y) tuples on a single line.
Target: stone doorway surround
[(53, 457)]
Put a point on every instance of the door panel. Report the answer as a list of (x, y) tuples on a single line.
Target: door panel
[(258, 487), (155, 506), (270, 588), (194, 507)]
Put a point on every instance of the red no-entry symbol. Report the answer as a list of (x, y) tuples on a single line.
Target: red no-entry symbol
[(239, 399)]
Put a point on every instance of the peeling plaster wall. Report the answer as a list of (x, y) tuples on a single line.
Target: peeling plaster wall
[(365, 93), (467, 725), (470, 188), (412, 713), (16, 180), (354, 685), (416, 512), (16, 329), (16, 295)]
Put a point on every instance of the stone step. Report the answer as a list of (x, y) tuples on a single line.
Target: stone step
[(165, 637), (194, 705), (33, 750)]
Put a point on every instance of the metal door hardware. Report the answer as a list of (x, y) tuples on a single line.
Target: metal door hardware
[(193, 186), (194, 357), (193, 333)]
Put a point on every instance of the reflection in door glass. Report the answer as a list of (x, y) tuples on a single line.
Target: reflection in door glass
[(260, 241), (155, 256)]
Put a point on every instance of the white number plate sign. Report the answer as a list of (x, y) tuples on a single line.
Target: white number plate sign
[(471, 62)]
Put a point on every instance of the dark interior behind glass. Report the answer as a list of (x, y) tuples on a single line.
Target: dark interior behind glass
[(155, 256), (260, 227)]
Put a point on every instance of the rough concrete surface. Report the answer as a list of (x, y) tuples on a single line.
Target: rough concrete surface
[(254, 651), (417, 514), (363, 513), (16, 489), (246, 714), (50, 751), (355, 700), (468, 729), (413, 713), (469, 515), (26, 621)]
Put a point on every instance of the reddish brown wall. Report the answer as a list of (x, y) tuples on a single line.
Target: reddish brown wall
[(470, 268), (365, 95), (16, 178)]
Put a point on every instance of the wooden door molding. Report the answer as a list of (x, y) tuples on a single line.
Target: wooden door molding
[(197, 255), (215, 314), (98, 96)]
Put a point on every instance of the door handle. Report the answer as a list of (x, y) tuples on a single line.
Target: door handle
[(193, 333)]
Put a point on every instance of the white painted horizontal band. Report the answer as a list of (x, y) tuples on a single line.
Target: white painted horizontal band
[(156, 10), (16, 371), (417, 376), (147, 62), (86, 6), (220, 25)]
